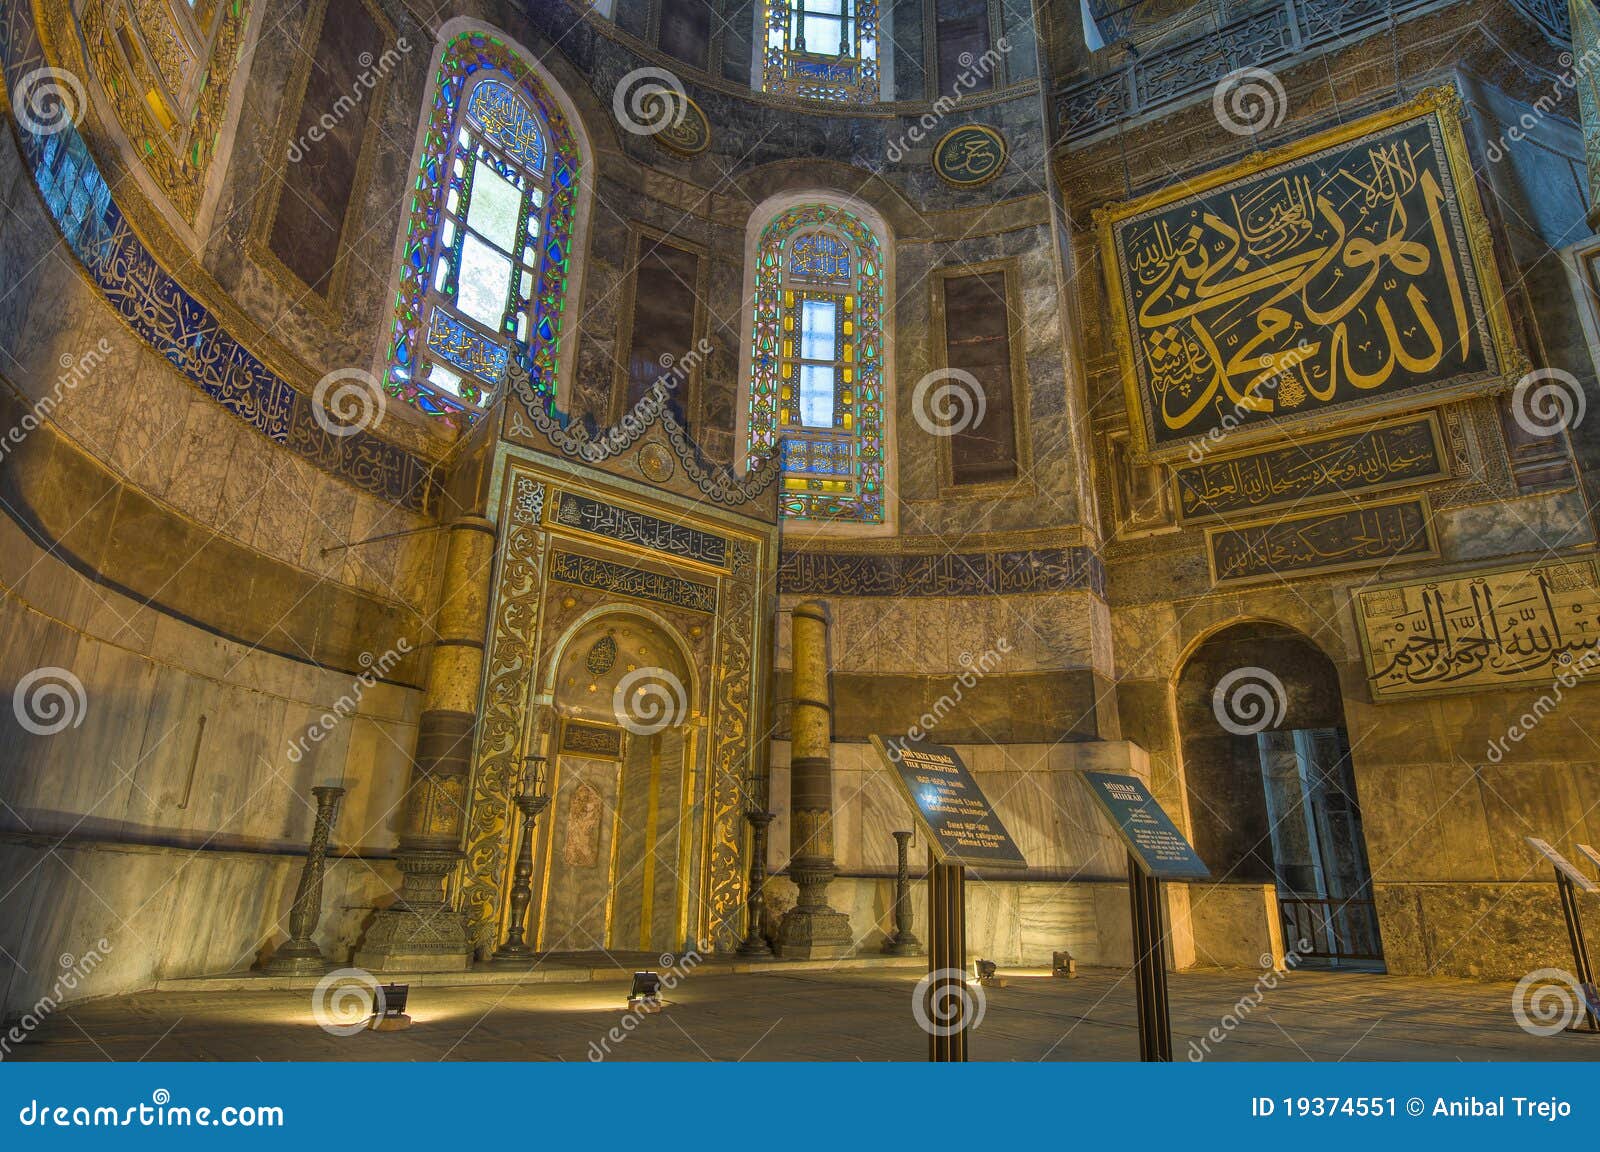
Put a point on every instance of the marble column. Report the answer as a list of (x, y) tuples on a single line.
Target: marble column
[(811, 929), (420, 932), (1586, 65)]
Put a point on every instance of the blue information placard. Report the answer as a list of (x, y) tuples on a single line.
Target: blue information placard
[(1145, 827)]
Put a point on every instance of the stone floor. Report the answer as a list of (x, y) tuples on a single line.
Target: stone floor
[(854, 1014)]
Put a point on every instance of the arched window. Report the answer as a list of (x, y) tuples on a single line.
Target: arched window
[(821, 49), (817, 363), (484, 268)]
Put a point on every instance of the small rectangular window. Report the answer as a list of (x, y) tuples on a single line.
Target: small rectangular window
[(962, 31), (663, 317), (686, 30), (977, 322)]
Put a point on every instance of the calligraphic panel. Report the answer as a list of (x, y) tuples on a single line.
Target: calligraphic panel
[(1377, 458), (638, 583), (1479, 630), (629, 527), (1328, 541), (1349, 272)]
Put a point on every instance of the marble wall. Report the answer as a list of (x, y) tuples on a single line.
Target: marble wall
[(167, 813)]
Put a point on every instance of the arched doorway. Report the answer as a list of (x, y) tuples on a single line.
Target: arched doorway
[(618, 862), (1271, 790)]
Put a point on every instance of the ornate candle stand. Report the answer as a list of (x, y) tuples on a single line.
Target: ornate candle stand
[(300, 955), (755, 942), (531, 802), (903, 942)]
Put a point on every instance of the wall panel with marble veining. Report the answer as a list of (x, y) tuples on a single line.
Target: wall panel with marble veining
[(177, 796)]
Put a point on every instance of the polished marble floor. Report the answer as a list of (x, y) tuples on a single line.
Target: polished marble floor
[(819, 1014)]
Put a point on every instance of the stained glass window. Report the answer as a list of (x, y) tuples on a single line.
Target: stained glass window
[(821, 49), (484, 273), (817, 387)]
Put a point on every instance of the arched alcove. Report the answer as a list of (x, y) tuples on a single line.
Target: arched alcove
[(618, 853), (1270, 787)]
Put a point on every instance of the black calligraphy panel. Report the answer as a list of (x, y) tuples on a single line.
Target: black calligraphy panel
[(652, 532), (1322, 542), (1343, 278), (1379, 457)]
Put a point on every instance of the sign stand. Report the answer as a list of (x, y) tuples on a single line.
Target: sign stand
[(947, 957), (1149, 964), (1157, 851), (1568, 883), (963, 831)]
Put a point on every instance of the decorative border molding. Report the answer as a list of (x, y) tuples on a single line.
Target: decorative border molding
[(1074, 569), (1294, 29)]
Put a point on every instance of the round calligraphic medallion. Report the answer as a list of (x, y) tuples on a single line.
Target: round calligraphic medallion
[(656, 463), (687, 133), (969, 155)]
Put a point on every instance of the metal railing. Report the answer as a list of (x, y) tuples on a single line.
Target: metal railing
[(1345, 928)]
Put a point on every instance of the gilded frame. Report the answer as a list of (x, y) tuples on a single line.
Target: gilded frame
[(258, 241), (1443, 102), (1023, 485)]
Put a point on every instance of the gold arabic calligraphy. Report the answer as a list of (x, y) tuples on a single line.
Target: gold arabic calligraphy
[(1340, 275), (1482, 630)]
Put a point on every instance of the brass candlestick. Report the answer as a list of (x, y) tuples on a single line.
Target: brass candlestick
[(755, 941), (530, 803), (300, 954), (904, 941)]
